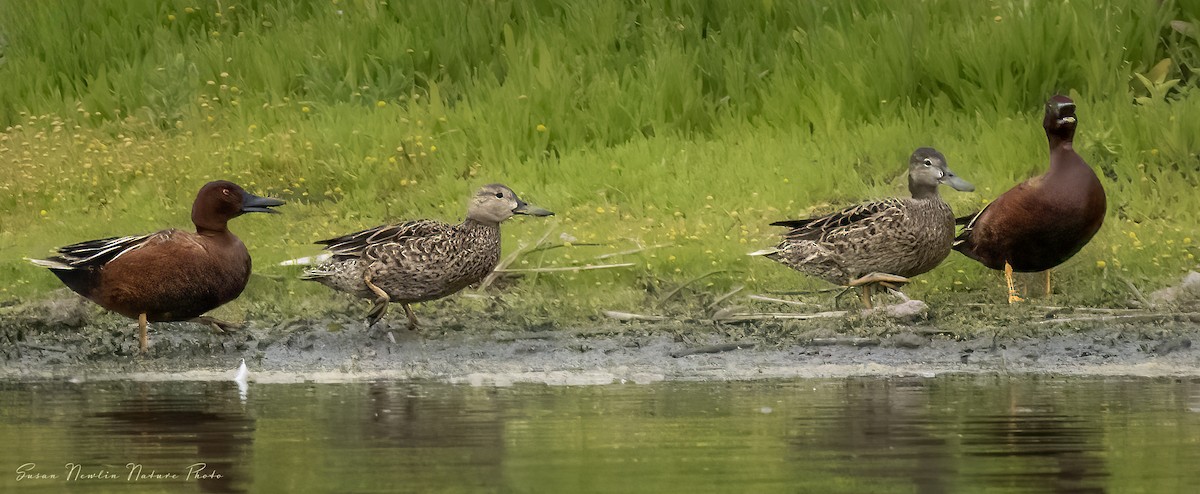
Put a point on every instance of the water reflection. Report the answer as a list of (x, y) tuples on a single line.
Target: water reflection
[(202, 435), (922, 432), (881, 431), (948, 434), (457, 428)]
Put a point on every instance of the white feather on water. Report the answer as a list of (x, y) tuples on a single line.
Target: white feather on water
[(242, 378)]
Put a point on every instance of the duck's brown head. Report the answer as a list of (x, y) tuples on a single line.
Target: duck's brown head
[(495, 203), (927, 169), (221, 200), (1060, 117)]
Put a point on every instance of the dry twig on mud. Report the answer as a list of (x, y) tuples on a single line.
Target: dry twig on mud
[(845, 341), (723, 347), (629, 316), (764, 298), (758, 316)]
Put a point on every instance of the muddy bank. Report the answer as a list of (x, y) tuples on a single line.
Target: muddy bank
[(67, 339)]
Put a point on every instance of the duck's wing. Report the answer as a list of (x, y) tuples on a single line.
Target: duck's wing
[(970, 221), (96, 253), (844, 221), (357, 244)]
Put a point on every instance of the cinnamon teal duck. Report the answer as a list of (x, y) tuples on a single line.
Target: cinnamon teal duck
[(1045, 220), (883, 242), (170, 275), (420, 260)]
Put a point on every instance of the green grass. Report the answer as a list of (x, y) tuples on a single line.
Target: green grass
[(688, 124)]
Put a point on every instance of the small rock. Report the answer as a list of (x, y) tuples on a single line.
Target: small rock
[(907, 340), (1187, 292), (908, 312)]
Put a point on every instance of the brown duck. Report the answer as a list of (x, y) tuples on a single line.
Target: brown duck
[(419, 260), (882, 242), (171, 275), (1045, 220)]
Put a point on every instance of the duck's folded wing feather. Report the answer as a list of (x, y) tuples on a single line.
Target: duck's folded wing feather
[(847, 219), (95, 253), (357, 243)]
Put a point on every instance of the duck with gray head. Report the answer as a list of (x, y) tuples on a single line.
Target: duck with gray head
[(170, 275), (1044, 220), (883, 242), (420, 260)]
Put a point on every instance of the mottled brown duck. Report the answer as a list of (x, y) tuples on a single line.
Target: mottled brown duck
[(420, 260), (170, 275), (883, 242), (1045, 220)]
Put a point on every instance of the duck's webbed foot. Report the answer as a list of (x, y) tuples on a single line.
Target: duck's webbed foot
[(1012, 289), (219, 325)]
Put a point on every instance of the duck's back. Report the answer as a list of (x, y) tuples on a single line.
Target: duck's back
[(413, 261), (432, 267), (902, 236)]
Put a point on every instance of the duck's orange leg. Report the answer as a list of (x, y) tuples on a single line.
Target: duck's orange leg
[(1048, 292), (142, 337), (1012, 290)]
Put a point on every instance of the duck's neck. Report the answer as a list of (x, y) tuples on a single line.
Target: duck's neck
[(1062, 154), (474, 225), (1061, 142), (213, 230), (922, 191)]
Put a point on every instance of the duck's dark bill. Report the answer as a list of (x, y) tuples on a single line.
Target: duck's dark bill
[(958, 183), (523, 208), (255, 204)]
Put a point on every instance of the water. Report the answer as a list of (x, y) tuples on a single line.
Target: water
[(945, 434)]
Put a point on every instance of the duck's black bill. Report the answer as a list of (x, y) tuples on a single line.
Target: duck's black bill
[(1064, 108), (255, 204), (523, 208)]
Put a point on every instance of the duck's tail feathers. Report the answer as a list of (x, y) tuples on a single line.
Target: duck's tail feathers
[(307, 261), (765, 252), (966, 220), (50, 263), (315, 275), (967, 223)]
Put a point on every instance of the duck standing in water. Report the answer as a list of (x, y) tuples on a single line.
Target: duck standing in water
[(420, 260), (883, 242), (170, 275), (1045, 220)]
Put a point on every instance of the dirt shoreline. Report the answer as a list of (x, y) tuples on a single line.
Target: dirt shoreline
[(41, 344)]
